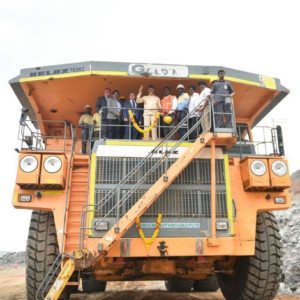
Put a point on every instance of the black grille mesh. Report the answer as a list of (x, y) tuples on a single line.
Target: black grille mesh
[(188, 196)]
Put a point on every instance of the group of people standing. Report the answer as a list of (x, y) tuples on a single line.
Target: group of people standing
[(113, 120)]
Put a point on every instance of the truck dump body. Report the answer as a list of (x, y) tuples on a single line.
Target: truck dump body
[(127, 207), (49, 88)]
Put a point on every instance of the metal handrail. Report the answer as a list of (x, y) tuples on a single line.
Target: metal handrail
[(38, 138), (230, 114), (52, 272), (130, 125), (112, 193)]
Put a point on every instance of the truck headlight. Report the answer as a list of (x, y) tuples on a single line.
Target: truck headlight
[(279, 168), (258, 168), (52, 164), (28, 163)]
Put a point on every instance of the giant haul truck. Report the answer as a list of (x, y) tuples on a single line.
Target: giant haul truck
[(194, 213)]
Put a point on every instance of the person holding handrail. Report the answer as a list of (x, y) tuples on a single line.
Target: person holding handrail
[(182, 108), (113, 115), (130, 131), (86, 124), (204, 105), (194, 114), (151, 107), (97, 125), (169, 105), (222, 92), (101, 107)]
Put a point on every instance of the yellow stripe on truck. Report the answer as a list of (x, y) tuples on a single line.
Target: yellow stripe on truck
[(91, 212), (228, 194), (233, 79), (73, 74)]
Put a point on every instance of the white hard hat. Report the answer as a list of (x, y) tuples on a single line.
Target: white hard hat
[(180, 86)]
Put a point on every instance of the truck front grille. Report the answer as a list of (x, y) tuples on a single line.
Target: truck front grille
[(172, 204), (111, 170), (188, 196)]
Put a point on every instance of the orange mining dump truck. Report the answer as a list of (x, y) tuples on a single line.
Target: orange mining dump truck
[(191, 207)]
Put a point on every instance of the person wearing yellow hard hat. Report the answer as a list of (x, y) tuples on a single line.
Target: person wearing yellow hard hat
[(169, 105)]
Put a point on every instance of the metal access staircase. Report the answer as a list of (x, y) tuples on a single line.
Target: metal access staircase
[(169, 174), (79, 187)]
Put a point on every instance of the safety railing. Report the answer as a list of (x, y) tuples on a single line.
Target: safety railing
[(163, 163), (122, 127), (85, 136), (223, 113), (260, 140), (32, 135), (51, 276)]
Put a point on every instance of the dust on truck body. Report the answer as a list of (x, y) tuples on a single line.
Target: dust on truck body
[(196, 214)]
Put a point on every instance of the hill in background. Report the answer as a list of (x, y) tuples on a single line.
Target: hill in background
[(295, 188)]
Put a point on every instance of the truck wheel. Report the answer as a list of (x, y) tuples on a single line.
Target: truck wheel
[(209, 284), (178, 285), (258, 276), (41, 251), (92, 285)]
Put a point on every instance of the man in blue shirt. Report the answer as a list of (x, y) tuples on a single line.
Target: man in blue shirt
[(222, 92)]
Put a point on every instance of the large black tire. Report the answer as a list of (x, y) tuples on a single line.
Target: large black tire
[(92, 285), (179, 285), (209, 284), (257, 277), (41, 251)]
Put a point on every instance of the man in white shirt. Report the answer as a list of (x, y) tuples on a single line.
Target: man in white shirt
[(151, 107), (205, 106), (193, 111)]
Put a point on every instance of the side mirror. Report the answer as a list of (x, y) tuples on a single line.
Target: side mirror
[(24, 115), (280, 140)]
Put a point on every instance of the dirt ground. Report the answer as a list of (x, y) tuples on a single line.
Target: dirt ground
[(13, 288)]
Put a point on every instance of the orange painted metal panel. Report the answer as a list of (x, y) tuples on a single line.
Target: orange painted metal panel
[(279, 181), (250, 180), (31, 178)]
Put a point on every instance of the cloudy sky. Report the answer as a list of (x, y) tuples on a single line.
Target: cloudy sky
[(255, 36)]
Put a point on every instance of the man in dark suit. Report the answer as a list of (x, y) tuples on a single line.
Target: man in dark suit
[(130, 131), (101, 107)]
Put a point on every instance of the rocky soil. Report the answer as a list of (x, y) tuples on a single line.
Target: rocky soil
[(12, 259), (289, 224)]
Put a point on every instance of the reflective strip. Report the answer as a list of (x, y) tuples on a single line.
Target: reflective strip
[(143, 143), (233, 79), (228, 194), (122, 73), (55, 76), (73, 74), (92, 190)]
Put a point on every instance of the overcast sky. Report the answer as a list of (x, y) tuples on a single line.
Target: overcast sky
[(255, 36)]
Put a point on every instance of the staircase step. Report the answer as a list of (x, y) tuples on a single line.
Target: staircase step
[(81, 162), (78, 197), (79, 186), (74, 216), (75, 207)]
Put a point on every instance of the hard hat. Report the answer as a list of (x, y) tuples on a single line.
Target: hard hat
[(180, 86), (167, 120), (87, 106)]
